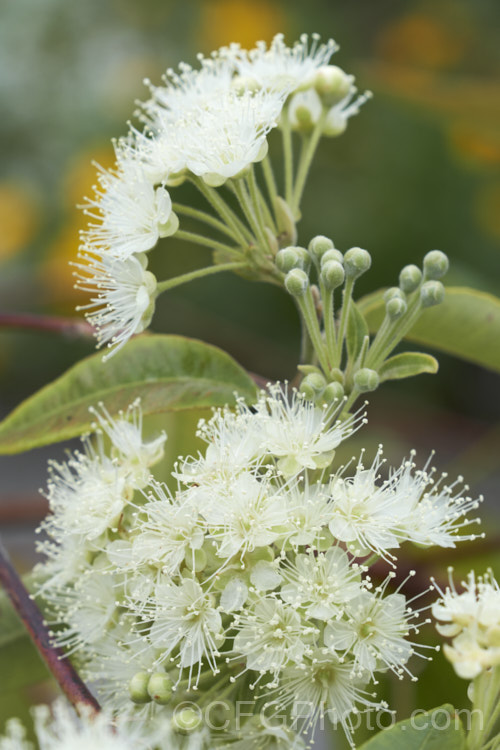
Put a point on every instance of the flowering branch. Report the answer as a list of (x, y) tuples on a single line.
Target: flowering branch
[(70, 682), (70, 327)]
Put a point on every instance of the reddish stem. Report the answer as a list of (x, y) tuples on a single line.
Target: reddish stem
[(70, 682), (71, 327)]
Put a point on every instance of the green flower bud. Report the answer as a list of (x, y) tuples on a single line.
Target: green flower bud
[(332, 84), (366, 380), (332, 274), (431, 293), (394, 292), (186, 720), (296, 282), (160, 688), (138, 688), (436, 264), (307, 391), (287, 259), (395, 308), (196, 559), (356, 262), (332, 254), (409, 278), (315, 381), (318, 246), (332, 392), (285, 220)]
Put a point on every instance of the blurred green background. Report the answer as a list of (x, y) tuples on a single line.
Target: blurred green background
[(418, 169)]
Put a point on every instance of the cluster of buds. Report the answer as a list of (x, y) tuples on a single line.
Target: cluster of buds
[(346, 362)]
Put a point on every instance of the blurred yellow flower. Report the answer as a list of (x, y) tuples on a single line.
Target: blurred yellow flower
[(240, 21), (19, 218)]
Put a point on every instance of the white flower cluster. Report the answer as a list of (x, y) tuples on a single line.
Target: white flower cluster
[(472, 619), (59, 728), (251, 581), (207, 124)]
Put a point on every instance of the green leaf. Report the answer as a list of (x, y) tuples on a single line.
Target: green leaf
[(407, 365), (466, 324), (438, 729), (357, 329), (168, 373)]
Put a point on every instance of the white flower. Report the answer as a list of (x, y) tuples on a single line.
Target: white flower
[(187, 90), (270, 635), (321, 584), (86, 495), (222, 140), (308, 513), (15, 737), (284, 68), (166, 532), (364, 514), (473, 618), (323, 685), (124, 297), (339, 114), (298, 433), (113, 661), (434, 512), (134, 455), (185, 617), (374, 631), (234, 446), (88, 609), (130, 214), (61, 729), (243, 514)]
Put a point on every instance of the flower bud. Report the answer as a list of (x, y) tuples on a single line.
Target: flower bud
[(285, 220), (160, 688), (296, 282), (138, 688), (332, 274), (332, 254), (395, 308), (366, 380), (332, 84), (436, 264), (394, 292), (196, 559), (431, 293), (307, 391), (332, 392), (356, 262), (318, 246), (287, 259), (335, 123), (186, 720), (409, 278), (305, 109), (315, 381)]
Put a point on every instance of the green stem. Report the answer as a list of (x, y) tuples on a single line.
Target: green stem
[(309, 146), (267, 169), (350, 401), (225, 212), (308, 310), (329, 321), (391, 333), (202, 216), (198, 274), (306, 345), (200, 239), (287, 154), (249, 210), (260, 209), (268, 218), (346, 301)]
